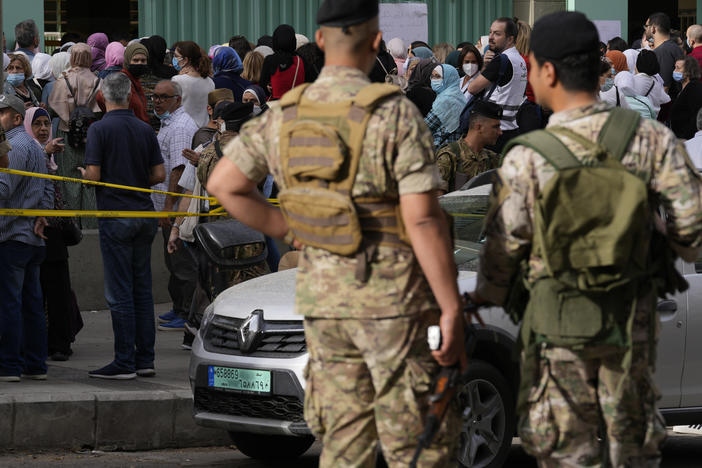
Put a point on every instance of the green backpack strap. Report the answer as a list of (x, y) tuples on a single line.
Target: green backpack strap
[(618, 130), (547, 145)]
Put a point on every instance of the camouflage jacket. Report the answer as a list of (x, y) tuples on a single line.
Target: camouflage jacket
[(459, 157), (397, 159), (654, 152)]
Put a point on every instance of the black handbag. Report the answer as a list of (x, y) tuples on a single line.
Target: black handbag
[(70, 232)]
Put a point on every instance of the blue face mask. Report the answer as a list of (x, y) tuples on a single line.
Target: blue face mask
[(165, 116), (614, 72), (436, 84), (175, 64), (15, 79), (677, 76), (609, 82)]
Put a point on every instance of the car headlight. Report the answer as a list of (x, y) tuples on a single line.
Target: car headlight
[(207, 317)]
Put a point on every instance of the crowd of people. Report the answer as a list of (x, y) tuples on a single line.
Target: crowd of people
[(145, 115)]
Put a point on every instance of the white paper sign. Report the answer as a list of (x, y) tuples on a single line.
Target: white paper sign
[(608, 29), (408, 21)]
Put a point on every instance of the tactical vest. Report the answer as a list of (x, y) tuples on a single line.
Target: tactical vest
[(320, 150)]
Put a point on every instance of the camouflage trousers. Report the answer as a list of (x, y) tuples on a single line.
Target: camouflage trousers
[(578, 394), (369, 380)]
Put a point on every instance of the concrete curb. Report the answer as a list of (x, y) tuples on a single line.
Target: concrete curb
[(103, 420)]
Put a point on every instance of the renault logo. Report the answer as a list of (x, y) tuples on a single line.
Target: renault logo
[(251, 331)]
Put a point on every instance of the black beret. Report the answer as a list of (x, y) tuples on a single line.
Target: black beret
[(345, 13), (228, 111), (486, 109), (564, 33)]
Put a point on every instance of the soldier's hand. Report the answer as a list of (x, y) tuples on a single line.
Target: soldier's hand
[(452, 346)]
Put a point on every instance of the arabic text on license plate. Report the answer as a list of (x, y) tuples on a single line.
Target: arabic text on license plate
[(251, 380)]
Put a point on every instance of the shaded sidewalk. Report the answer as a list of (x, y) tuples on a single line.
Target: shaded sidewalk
[(71, 410)]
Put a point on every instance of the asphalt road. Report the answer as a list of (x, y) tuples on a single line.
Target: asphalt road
[(680, 451)]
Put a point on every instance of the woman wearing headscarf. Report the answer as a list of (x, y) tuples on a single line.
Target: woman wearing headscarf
[(149, 80), (283, 70), (443, 119), (618, 61), (257, 96), (227, 68), (114, 58), (264, 50), (419, 87), (98, 42), (41, 70), (422, 52), (84, 84), (134, 66), (59, 63), (156, 46), (54, 273)]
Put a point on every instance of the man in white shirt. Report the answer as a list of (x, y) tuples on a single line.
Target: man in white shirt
[(694, 145), (176, 135)]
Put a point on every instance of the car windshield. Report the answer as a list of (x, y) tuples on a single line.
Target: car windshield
[(467, 208)]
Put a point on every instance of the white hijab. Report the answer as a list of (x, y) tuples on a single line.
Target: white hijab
[(41, 67)]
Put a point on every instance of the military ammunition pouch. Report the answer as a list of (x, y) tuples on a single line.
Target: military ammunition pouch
[(517, 295), (320, 150)]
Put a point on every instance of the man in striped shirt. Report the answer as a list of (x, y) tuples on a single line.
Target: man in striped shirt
[(23, 339)]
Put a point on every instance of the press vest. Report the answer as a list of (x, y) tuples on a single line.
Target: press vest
[(511, 96)]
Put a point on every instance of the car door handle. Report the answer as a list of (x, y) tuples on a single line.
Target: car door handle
[(667, 307)]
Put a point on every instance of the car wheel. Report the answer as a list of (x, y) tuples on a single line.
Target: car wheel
[(487, 407), (266, 447)]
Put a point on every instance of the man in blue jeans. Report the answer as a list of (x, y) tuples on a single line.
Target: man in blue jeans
[(23, 347), (121, 149)]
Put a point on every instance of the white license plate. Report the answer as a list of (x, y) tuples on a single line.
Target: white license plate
[(250, 380)]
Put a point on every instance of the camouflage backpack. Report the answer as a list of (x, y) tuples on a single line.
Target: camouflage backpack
[(592, 223), (320, 150)]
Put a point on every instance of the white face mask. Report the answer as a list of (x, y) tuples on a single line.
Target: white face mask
[(470, 69), (223, 127), (256, 109)]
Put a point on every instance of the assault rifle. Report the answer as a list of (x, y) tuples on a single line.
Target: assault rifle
[(447, 381)]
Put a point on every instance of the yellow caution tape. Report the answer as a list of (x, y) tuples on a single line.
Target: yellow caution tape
[(101, 214), (212, 200), (467, 215), (103, 184)]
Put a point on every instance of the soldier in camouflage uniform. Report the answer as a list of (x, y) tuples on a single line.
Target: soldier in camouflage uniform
[(370, 369), (573, 388), (464, 159)]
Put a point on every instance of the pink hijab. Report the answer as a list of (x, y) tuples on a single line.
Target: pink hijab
[(114, 54), (29, 116), (98, 43)]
